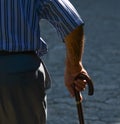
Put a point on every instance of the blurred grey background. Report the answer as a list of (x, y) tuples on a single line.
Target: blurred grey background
[(101, 59)]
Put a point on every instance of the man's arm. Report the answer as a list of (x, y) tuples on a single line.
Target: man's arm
[(74, 50)]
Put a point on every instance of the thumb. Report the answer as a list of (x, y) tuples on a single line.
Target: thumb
[(78, 95)]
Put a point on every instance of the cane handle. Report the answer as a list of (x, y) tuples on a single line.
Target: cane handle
[(89, 83)]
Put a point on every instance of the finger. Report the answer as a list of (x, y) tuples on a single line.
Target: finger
[(85, 76), (78, 94), (79, 88), (81, 98), (80, 83)]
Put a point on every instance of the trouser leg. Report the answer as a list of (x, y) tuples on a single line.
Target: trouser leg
[(23, 102)]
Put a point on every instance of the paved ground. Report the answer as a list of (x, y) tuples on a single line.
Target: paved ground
[(101, 59)]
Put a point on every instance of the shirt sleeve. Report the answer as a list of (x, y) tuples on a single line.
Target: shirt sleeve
[(62, 15)]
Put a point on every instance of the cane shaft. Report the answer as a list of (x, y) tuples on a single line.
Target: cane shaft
[(79, 108), (77, 96)]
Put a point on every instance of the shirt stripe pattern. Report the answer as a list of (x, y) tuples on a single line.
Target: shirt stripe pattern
[(19, 22)]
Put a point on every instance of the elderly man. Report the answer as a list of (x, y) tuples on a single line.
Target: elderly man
[(22, 81)]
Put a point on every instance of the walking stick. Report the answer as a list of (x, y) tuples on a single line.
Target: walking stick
[(77, 96)]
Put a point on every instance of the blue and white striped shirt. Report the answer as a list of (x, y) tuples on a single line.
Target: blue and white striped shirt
[(19, 22)]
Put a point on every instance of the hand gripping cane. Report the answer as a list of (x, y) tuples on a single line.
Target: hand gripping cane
[(77, 96)]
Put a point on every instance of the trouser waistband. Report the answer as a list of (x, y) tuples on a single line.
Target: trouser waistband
[(18, 62), (16, 53)]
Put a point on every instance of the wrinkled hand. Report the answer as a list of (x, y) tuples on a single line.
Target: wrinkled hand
[(79, 84)]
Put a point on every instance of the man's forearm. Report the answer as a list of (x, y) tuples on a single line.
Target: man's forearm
[(74, 50)]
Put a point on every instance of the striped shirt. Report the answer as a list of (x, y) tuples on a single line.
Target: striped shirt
[(19, 23)]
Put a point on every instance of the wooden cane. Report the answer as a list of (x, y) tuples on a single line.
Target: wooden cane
[(77, 96), (79, 108)]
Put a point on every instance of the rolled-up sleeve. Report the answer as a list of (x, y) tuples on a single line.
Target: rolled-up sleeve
[(62, 15)]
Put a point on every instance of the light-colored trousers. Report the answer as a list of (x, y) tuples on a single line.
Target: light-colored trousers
[(22, 92)]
